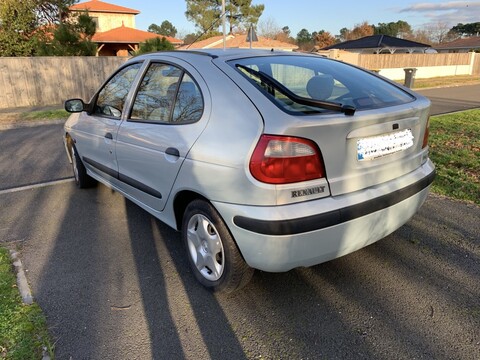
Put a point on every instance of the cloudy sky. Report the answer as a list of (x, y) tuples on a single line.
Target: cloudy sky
[(315, 15)]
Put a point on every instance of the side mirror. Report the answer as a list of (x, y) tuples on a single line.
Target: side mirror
[(74, 105)]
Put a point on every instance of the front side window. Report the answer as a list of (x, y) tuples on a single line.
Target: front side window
[(320, 80), (167, 94), (111, 99)]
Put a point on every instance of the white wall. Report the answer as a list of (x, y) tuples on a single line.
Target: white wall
[(428, 72)]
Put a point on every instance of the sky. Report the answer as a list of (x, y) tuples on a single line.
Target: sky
[(316, 15)]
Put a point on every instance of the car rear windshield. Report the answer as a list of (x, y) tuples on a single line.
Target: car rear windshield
[(291, 81)]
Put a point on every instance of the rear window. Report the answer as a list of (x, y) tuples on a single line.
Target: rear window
[(319, 79)]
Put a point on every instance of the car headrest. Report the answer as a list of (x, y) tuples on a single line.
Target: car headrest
[(320, 87)]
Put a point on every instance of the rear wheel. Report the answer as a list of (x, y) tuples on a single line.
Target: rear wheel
[(212, 252), (79, 172)]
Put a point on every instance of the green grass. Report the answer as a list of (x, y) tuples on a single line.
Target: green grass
[(23, 329), (46, 115), (443, 81), (455, 149), (446, 81)]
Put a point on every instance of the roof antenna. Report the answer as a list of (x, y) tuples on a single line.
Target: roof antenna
[(223, 25)]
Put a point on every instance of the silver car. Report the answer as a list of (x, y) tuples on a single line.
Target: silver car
[(262, 159)]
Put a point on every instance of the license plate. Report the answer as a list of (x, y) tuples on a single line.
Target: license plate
[(378, 146)]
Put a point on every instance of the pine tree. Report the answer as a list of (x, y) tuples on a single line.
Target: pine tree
[(206, 13)]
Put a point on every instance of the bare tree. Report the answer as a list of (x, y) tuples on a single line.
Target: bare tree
[(420, 35), (439, 32), (268, 28)]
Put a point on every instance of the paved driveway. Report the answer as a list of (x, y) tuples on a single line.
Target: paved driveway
[(115, 284), (451, 99)]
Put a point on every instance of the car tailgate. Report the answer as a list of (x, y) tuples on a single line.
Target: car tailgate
[(369, 148)]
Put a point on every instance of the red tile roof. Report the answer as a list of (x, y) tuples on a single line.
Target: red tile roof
[(470, 42), (240, 41), (100, 6), (128, 35)]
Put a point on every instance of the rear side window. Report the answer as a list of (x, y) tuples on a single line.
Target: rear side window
[(319, 79), (167, 94)]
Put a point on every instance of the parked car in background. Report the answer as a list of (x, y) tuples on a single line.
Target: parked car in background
[(262, 159)]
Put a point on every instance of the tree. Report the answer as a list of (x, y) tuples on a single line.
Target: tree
[(400, 29), (420, 35), (243, 13), (324, 38), (203, 13), (440, 32), (361, 30), (52, 11), (471, 29), (18, 23), (284, 36), (190, 38), (304, 37), (72, 38), (154, 28), (155, 44), (344, 34), (268, 28), (206, 13), (26, 26), (166, 28)]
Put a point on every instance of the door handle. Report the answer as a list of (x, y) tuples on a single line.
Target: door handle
[(109, 136), (172, 151)]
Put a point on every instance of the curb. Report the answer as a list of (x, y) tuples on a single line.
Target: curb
[(24, 290), (22, 283)]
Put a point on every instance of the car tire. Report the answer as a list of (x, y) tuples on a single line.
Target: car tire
[(82, 179), (212, 252)]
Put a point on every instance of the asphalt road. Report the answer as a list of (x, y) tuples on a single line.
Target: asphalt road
[(32, 155), (451, 99), (114, 282)]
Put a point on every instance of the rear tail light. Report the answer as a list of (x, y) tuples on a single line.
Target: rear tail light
[(284, 160), (425, 135)]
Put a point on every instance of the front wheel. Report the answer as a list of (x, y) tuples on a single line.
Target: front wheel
[(82, 179), (212, 252)]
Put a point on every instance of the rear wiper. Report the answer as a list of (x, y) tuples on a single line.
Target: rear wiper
[(328, 105)]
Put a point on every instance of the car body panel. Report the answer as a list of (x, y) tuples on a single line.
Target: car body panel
[(337, 134), (155, 165), (277, 253)]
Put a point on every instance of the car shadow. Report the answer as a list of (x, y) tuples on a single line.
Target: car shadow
[(114, 282)]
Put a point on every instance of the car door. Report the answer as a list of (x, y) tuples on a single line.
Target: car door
[(96, 131), (166, 117)]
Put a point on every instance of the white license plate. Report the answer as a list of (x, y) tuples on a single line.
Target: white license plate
[(378, 146)]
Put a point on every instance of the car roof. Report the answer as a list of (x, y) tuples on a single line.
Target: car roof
[(226, 54)]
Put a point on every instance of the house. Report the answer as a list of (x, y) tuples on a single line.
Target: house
[(377, 44), (116, 33), (240, 41), (460, 45)]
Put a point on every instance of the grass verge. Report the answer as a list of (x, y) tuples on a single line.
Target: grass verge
[(23, 329), (446, 81), (46, 115), (455, 149)]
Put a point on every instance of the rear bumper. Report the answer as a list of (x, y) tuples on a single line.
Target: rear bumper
[(280, 238)]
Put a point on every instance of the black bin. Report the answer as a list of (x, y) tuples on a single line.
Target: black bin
[(409, 77)]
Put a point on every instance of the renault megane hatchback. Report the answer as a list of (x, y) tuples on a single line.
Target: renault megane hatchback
[(262, 159)]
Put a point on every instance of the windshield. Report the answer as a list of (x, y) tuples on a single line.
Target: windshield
[(320, 79)]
